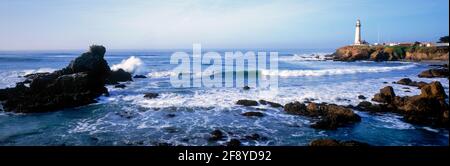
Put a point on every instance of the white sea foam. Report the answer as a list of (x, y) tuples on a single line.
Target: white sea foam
[(10, 78), (160, 74), (328, 72), (40, 70), (131, 65), (320, 56)]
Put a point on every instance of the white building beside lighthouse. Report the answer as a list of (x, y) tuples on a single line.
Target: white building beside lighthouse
[(358, 40)]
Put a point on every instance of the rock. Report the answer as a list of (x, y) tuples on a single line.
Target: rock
[(428, 108), (389, 53), (362, 97), (257, 114), (404, 81), (234, 142), (332, 142), (216, 135), (151, 95), (433, 90), (386, 95), (247, 102), (409, 82), (324, 142), (246, 88), (171, 115), (334, 116), (296, 108), (121, 86), (140, 76), (432, 73), (118, 76), (272, 104), (80, 83), (369, 107), (331, 116), (352, 53), (253, 137)]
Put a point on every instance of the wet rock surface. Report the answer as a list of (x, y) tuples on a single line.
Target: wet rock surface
[(247, 102), (80, 83), (427, 108), (330, 116)]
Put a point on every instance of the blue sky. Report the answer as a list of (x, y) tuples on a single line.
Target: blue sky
[(163, 24)]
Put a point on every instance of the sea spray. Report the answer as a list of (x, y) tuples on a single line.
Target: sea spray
[(131, 65)]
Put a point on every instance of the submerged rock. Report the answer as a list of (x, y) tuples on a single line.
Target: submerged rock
[(140, 76), (257, 114), (151, 95), (78, 84), (246, 88), (234, 142), (247, 102), (216, 135), (362, 97), (272, 104), (332, 142)]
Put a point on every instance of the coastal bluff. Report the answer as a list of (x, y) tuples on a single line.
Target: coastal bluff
[(390, 53)]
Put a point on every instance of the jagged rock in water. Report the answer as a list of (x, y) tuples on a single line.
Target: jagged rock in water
[(247, 102), (78, 84), (118, 76)]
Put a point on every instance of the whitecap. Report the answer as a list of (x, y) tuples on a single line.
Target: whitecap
[(131, 65), (328, 72)]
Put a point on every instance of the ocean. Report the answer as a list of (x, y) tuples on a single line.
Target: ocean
[(187, 116)]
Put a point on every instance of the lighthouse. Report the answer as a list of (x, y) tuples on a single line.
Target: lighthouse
[(358, 40)]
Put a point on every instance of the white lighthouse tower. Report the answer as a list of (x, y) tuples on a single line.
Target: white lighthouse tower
[(358, 40)]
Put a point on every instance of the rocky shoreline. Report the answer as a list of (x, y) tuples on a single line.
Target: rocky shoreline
[(85, 78), (390, 53)]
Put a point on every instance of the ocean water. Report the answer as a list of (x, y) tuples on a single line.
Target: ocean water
[(186, 116)]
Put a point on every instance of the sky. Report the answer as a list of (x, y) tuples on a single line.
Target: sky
[(167, 24)]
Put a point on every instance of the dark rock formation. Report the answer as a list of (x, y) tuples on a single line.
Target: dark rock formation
[(234, 142), (386, 95), (331, 116), (272, 104), (362, 97), (390, 53), (216, 135), (428, 108), (332, 142), (253, 137), (247, 102), (118, 76), (78, 84), (151, 95), (432, 73), (409, 82), (257, 114), (140, 76)]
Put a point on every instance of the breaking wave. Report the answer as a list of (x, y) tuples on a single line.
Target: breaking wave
[(328, 72), (131, 65)]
